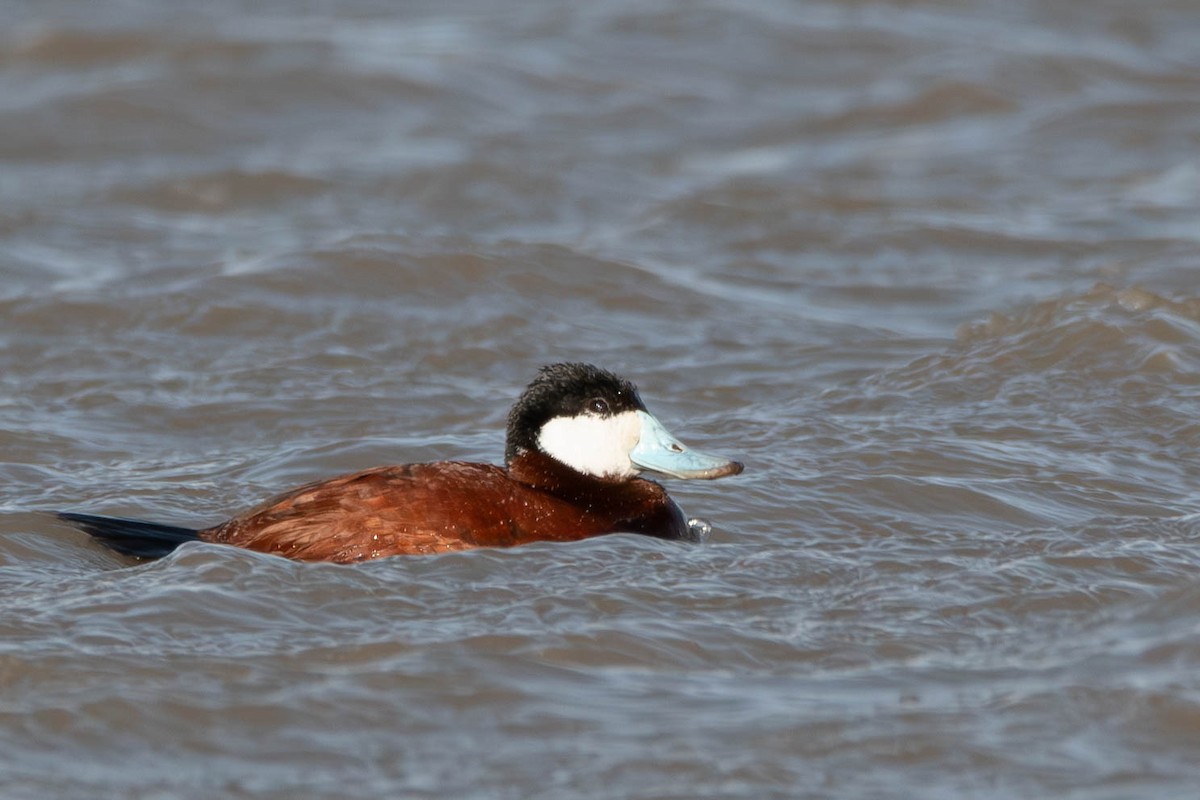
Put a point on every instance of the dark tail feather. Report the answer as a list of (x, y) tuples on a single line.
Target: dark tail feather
[(130, 536)]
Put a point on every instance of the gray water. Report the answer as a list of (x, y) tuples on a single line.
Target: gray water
[(929, 269)]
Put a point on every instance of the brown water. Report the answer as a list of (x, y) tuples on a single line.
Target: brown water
[(928, 268)]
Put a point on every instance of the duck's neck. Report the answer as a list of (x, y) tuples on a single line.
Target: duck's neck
[(635, 504), (550, 475)]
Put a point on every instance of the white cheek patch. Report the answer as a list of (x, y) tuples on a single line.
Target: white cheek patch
[(592, 444)]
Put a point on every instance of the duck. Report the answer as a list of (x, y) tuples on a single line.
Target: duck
[(578, 441)]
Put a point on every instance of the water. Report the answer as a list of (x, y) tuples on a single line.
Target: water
[(928, 269)]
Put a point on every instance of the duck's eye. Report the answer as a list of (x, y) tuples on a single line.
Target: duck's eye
[(598, 405)]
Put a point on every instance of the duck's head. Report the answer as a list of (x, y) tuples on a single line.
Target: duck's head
[(595, 423)]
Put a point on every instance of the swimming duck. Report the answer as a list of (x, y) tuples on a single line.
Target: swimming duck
[(578, 439)]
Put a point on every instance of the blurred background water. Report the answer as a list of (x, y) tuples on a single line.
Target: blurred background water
[(928, 268)]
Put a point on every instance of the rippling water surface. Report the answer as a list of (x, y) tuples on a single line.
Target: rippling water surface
[(928, 268)]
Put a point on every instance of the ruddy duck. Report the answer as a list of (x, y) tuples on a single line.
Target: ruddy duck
[(578, 439)]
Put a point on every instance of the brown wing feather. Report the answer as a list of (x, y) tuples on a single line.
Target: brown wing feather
[(408, 509), (435, 508)]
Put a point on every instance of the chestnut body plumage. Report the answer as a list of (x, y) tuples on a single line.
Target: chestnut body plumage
[(578, 438)]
